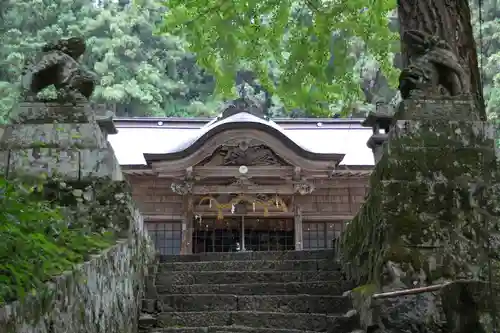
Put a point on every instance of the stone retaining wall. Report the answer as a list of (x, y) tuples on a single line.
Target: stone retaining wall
[(101, 295)]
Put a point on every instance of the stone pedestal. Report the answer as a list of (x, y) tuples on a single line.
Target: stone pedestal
[(66, 147), (63, 141), (432, 211)]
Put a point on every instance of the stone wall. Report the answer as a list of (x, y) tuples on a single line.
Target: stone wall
[(66, 145), (101, 295)]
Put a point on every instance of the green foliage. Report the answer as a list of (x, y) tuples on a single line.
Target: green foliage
[(309, 43), (135, 67), (487, 35), (316, 58), (37, 242)]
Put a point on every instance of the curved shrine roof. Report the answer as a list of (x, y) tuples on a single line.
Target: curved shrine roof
[(142, 140), (240, 120)]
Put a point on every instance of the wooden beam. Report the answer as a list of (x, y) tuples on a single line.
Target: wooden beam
[(325, 218), (253, 171), (349, 197), (204, 213), (162, 218), (306, 217), (204, 172), (287, 172), (187, 225), (280, 172), (284, 189), (299, 245)]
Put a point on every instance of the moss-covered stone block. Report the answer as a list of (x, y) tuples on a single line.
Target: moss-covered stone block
[(47, 113), (442, 133), (33, 162), (411, 199), (99, 163), (4, 162), (436, 163), (439, 108), (58, 140), (53, 135), (469, 305), (432, 215), (100, 204), (106, 190), (429, 200)]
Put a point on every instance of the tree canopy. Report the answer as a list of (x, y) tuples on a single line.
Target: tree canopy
[(312, 46), (307, 59)]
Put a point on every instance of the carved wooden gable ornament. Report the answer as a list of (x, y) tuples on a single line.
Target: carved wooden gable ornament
[(243, 152)]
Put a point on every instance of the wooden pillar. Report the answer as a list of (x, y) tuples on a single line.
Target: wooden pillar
[(187, 225), (349, 198), (298, 227)]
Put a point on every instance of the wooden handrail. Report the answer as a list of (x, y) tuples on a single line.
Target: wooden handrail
[(412, 291)]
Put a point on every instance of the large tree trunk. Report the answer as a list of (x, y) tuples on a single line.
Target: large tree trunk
[(451, 21)]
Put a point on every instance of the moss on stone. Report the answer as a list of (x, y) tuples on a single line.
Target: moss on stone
[(420, 211), (366, 289)]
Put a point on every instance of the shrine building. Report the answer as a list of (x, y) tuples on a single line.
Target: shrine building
[(242, 182)]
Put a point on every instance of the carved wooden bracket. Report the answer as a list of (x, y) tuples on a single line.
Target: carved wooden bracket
[(186, 186), (297, 173), (243, 182), (331, 171), (182, 188), (304, 188), (189, 173)]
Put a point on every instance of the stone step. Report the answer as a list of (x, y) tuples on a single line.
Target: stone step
[(225, 329), (244, 329), (251, 265), (256, 255), (228, 277), (264, 303), (291, 288), (297, 321)]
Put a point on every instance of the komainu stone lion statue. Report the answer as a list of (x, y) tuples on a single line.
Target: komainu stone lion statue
[(58, 66), (434, 68)]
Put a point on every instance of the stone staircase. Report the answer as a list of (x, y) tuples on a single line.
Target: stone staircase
[(257, 292)]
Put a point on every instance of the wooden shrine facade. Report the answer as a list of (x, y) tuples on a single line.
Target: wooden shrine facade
[(242, 184)]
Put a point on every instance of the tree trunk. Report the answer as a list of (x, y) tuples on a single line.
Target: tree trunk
[(451, 21)]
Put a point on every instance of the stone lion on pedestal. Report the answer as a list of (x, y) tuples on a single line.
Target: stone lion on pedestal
[(58, 66)]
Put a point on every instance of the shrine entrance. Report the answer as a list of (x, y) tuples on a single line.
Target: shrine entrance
[(242, 233), (241, 183)]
